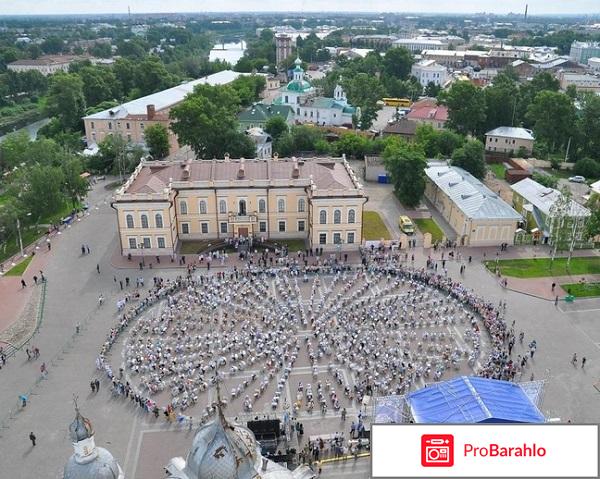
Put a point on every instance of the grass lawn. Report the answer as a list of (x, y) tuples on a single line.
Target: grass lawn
[(373, 227), (581, 290), (195, 246), (293, 245), (541, 267), (19, 269), (498, 170), (428, 225)]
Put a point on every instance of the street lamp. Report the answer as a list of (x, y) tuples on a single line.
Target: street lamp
[(141, 245), (19, 233)]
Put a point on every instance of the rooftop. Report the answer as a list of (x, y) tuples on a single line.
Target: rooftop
[(543, 198), (511, 132), (428, 109), (473, 400), (326, 173), (401, 127), (261, 112), (164, 99), (469, 194), (46, 60)]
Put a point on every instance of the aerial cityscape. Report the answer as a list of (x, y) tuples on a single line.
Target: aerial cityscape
[(238, 239)]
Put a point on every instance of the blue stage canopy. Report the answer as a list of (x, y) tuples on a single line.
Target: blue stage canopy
[(472, 400)]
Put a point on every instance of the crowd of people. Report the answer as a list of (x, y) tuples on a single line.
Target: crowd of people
[(383, 327)]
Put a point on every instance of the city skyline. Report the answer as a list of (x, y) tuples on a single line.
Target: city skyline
[(536, 7)]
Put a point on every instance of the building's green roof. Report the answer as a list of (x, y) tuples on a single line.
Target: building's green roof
[(261, 112), (298, 85)]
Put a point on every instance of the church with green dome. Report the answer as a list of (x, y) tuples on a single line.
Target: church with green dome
[(308, 107)]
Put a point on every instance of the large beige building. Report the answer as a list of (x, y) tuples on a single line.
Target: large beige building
[(130, 119), (477, 215), (166, 202)]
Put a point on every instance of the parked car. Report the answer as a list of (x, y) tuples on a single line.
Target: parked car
[(406, 225), (577, 179)]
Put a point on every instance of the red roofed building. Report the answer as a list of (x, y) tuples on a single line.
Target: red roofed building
[(429, 112)]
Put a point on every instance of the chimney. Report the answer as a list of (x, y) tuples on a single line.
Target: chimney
[(187, 169), (226, 157), (241, 171), (295, 169), (275, 156), (150, 111)]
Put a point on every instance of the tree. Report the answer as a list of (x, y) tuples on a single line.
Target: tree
[(552, 115), (276, 126), (549, 181), (587, 167), (53, 45), (74, 186), (352, 145), (13, 149), (101, 50), (248, 88), (41, 189), (592, 226), (206, 120), (152, 76), (406, 164), (99, 84), (364, 91), (590, 126), (470, 157), (466, 108), (397, 62), (157, 140), (432, 90), (66, 100), (501, 100)]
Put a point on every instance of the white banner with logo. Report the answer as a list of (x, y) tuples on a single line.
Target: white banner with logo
[(498, 450)]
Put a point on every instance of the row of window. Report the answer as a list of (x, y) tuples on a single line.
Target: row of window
[(337, 238), (110, 125), (224, 227), (506, 140), (145, 242), (337, 217), (158, 220), (242, 206)]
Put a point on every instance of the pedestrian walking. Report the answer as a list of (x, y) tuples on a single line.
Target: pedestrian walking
[(556, 302), (32, 438), (42, 277), (121, 284), (583, 361), (97, 384), (82, 250), (553, 287), (93, 386), (36, 352), (574, 359), (98, 268), (43, 370), (23, 283), (28, 354), (87, 249), (49, 244), (35, 278)]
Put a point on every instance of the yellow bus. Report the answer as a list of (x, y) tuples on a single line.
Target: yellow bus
[(403, 102)]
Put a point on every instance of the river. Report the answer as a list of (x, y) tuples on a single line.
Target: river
[(229, 52), (32, 128)]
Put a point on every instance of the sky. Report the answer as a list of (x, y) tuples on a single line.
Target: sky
[(37, 7)]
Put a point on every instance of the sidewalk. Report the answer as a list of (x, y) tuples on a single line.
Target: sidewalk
[(14, 298)]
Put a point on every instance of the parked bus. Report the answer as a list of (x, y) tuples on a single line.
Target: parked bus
[(402, 102)]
